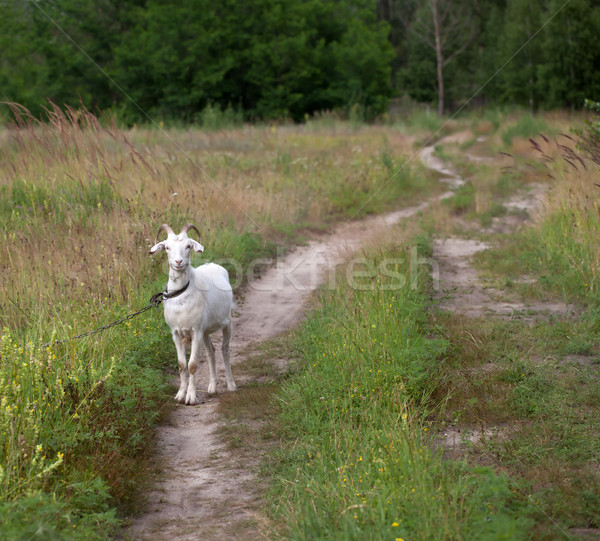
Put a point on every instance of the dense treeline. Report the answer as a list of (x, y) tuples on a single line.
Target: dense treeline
[(289, 58)]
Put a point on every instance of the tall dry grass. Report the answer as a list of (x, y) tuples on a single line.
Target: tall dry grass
[(570, 224), (80, 200)]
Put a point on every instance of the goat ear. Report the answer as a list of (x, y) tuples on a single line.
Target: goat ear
[(197, 246), (156, 248)]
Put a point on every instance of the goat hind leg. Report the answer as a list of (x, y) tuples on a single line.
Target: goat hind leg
[(231, 386), (212, 368)]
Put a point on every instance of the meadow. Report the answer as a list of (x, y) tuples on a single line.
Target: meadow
[(380, 377), (80, 201), (353, 423)]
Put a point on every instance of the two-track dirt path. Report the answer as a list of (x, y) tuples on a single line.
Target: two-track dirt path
[(461, 291), (202, 491)]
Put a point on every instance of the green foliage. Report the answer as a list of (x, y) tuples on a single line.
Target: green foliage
[(82, 200), (357, 463), (569, 71), (590, 136), (212, 117), (525, 127), (189, 60), (561, 248), (289, 59), (462, 200), (537, 402), (47, 518)]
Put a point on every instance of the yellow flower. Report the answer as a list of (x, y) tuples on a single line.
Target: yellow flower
[(394, 524)]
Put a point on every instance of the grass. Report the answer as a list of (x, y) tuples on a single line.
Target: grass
[(80, 200), (357, 460), (351, 456), (525, 126), (530, 389), (538, 390), (349, 429), (561, 247)]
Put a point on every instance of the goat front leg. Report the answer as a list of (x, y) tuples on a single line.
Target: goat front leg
[(190, 397), (183, 370)]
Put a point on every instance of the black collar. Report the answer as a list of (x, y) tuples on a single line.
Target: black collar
[(166, 295)]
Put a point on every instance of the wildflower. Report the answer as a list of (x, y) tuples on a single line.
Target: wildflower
[(394, 524)]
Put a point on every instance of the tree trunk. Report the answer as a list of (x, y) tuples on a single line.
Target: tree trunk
[(439, 56)]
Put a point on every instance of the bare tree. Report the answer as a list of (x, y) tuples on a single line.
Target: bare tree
[(447, 26)]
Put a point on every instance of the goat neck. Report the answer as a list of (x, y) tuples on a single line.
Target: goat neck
[(178, 279)]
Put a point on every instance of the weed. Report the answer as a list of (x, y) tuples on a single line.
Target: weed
[(80, 200), (516, 376), (357, 463), (212, 117), (535, 384), (526, 126)]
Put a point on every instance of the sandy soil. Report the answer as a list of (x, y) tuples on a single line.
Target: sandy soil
[(201, 490), (461, 291)]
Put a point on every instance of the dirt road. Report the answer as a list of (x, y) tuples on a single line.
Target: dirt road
[(202, 490)]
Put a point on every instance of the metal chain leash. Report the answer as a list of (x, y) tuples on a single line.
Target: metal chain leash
[(155, 301)]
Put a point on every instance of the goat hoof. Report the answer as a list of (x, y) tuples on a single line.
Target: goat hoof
[(180, 397), (212, 388), (190, 399), (231, 387)]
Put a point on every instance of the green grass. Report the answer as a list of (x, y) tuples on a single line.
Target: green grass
[(525, 126), (81, 201), (357, 460), (532, 387), (521, 380)]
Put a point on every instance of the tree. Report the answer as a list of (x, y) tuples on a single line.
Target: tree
[(568, 72), (448, 28), (283, 58), (521, 52)]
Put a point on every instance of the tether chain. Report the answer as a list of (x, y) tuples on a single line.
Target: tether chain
[(155, 301)]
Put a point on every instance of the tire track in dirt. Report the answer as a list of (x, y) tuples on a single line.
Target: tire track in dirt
[(201, 490), (461, 291)]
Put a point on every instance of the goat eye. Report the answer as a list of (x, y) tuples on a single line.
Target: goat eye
[(188, 247), (167, 248)]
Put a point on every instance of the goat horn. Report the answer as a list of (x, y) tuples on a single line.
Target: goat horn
[(163, 227), (188, 227)]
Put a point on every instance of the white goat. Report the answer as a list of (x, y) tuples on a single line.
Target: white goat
[(197, 303)]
